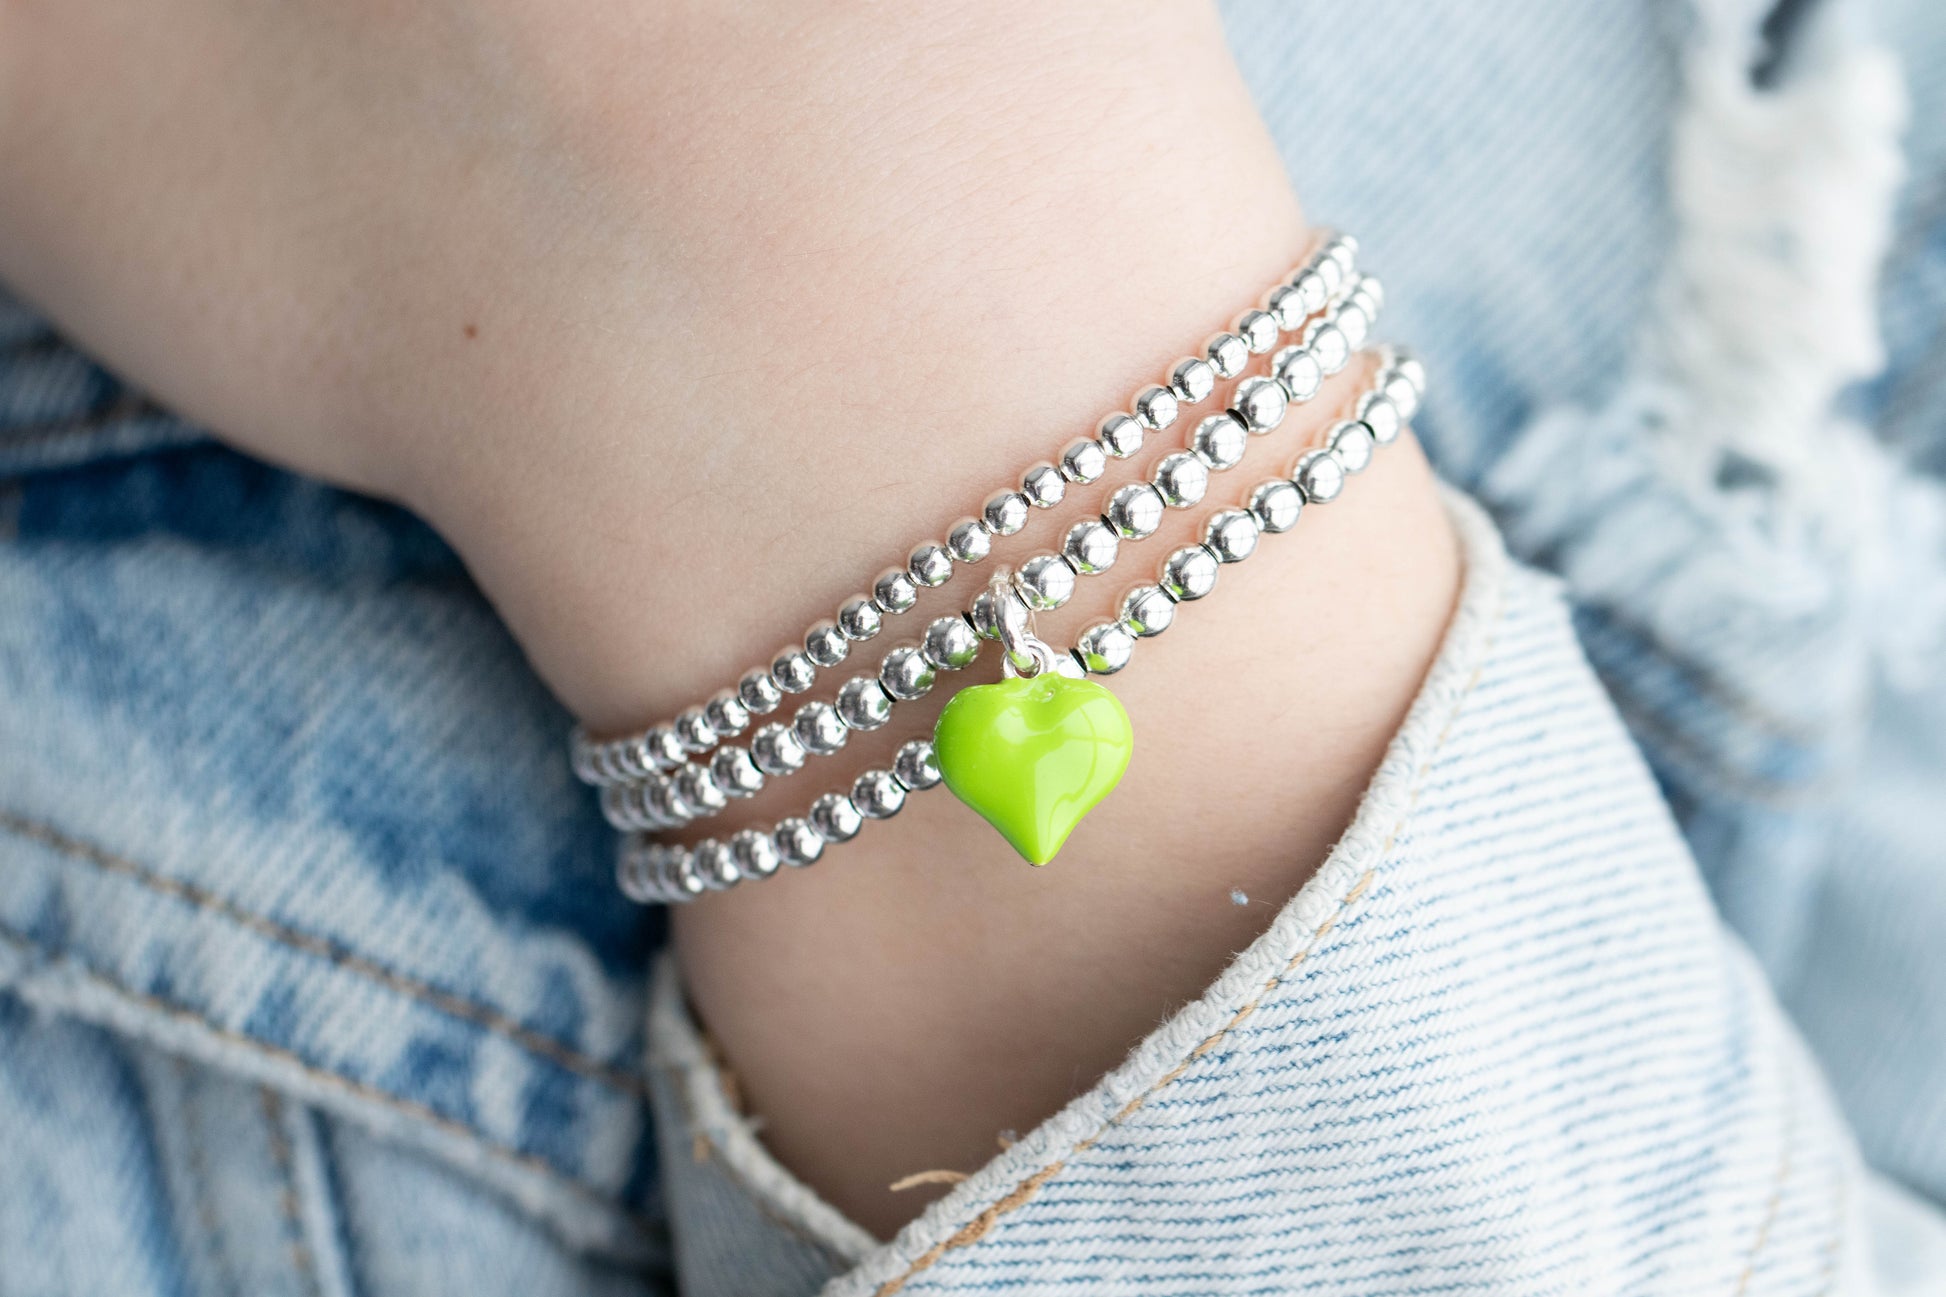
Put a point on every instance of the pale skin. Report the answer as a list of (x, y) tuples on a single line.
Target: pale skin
[(680, 322)]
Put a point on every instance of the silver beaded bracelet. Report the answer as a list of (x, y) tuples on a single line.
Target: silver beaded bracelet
[(1326, 279), (652, 871)]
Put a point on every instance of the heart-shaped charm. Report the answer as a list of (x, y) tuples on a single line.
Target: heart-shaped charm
[(1033, 755)]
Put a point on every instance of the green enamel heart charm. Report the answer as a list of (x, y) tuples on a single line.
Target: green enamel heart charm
[(1033, 755)]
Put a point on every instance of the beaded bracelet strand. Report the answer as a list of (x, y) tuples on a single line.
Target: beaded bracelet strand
[(652, 871)]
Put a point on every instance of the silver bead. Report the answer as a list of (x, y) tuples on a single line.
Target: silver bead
[(664, 748), (1308, 284), (950, 644), (1189, 573), (1220, 441), (1352, 442), (835, 818), (878, 794), (1331, 270), (1004, 513), (1258, 329), (1353, 322), (621, 807), (862, 704), (696, 793), (776, 750), (1105, 648), (1276, 505), (1260, 403), (792, 671), (1286, 304), (1343, 249), (1134, 511), (683, 881), (759, 693), (825, 644), (659, 797), (1319, 475), (1120, 435), (1227, 353), (1156, 408), (1325, 341), (1403, 396), (1045, 581), (1181, 479), (916, 765), (1192, 379), (635, 872), (1231, 535), (984, 615), (736, 773), (905, 674), (797, 843), (819, 728), (1043, 486), (755, 854), (1411, 368), (1299, 371), (930, 565), (1373, 292), (695, 731), (895, 591), (1069, 667), (1084, 460), (859, 618), (969, 541), (1147, 610), (1091, 546), (716, 866), (1378, 413)]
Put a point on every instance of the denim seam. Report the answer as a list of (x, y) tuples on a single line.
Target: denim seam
[(976, 1229), (1776, 1201), (480, 1015), (288, 1206), (359, 1090)]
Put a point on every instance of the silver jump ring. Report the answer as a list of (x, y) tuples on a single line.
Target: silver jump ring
[(1026, 654)]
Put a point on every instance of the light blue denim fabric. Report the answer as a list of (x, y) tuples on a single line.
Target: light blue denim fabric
[(311, 975)]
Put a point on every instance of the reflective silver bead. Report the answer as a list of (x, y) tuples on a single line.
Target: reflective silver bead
[(1192, 379), (1220, 440), (682, 880), (1189, 573), (776, 750), (695, 731), (950, 643), (859, 618), (715, 865), (736, 773), (1231, 535), (1319, 475), (1411, 368), (1343, 249), (1120, 435), (1147, 610), (1378, 413), (826, 645), (759, 693), (755, 854), (1043, 486), (1286, 304), (792, 671), (1325, 341), (1134, 511), (659, 797), (1260, 403), (1353, 322), (984, 615), (969, 541), (916, 765), (696, 793), (819, 728), (1352, 442), (797, 843), (835, 818), (895, 591), (636, 874), (1004, 513), (1227, 353), (1084, 460), (1403, 395), (1276, 505), (862, 704), (621, 807), (1091, 546), (1181, 479), (1258, 329), (905, 674), (1105, 648), (1331, 270), (1045, 581), (1308, 284), (878, 794), (664, 748), (1373, 292), (930, 565), (1299, 371), (1156, 408), (1069, 667)]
